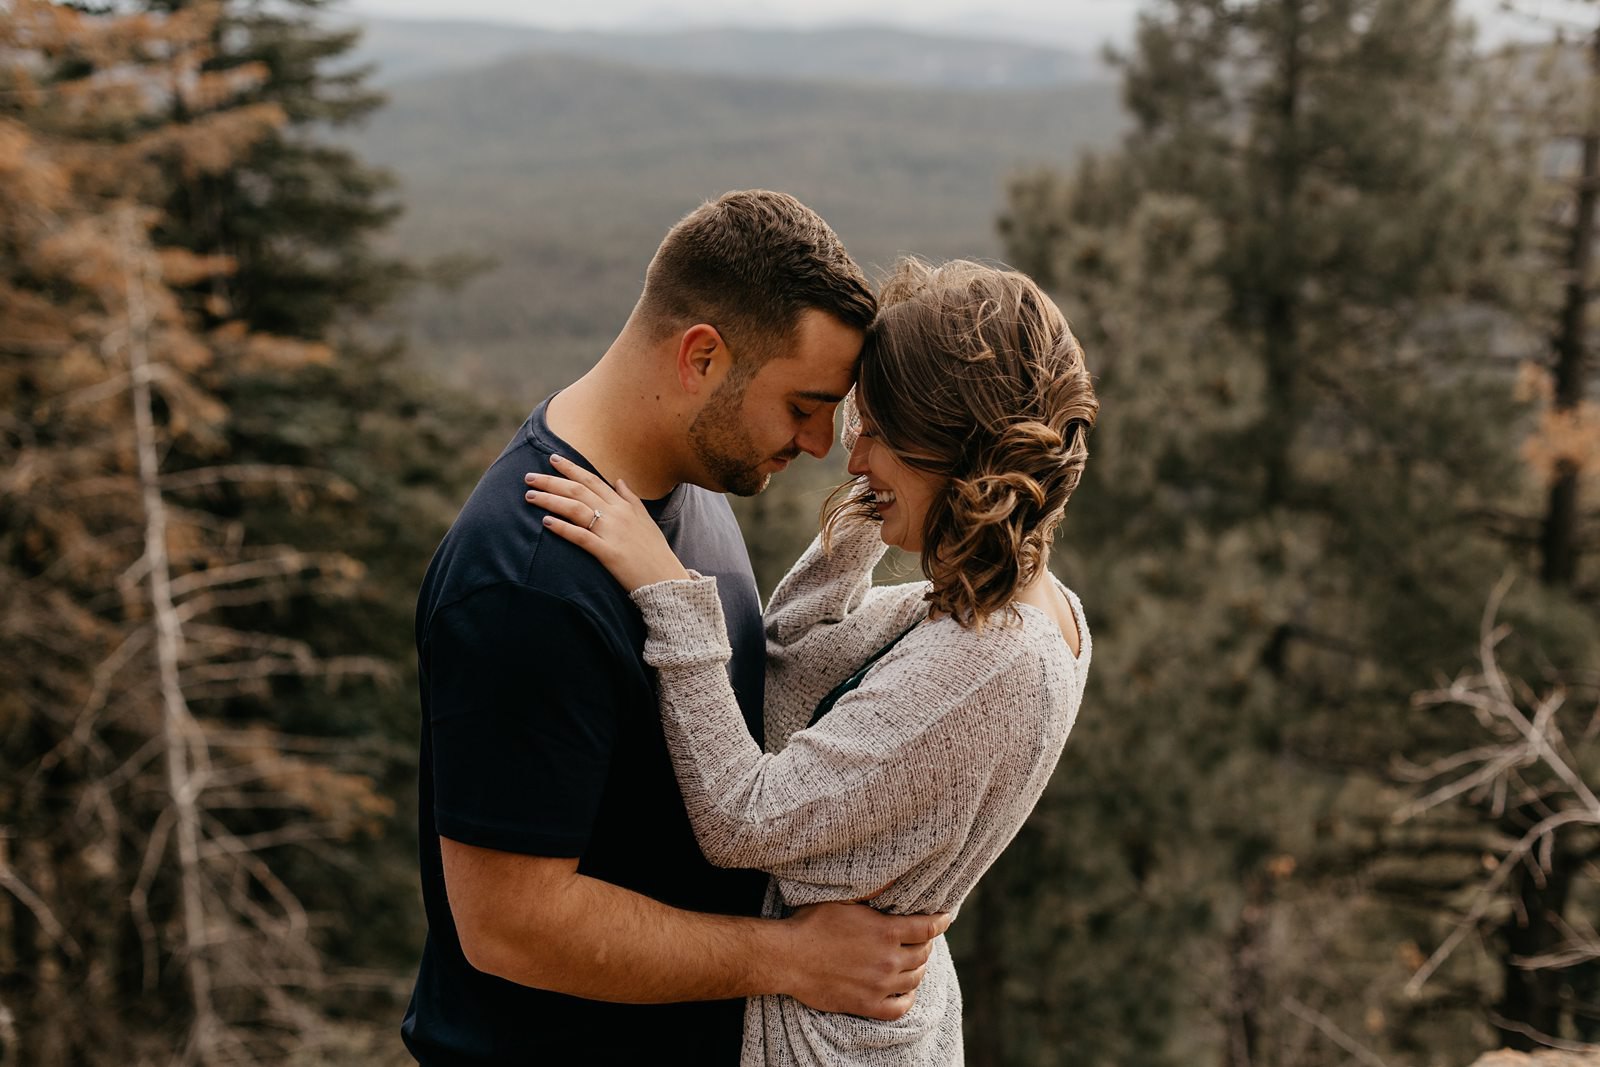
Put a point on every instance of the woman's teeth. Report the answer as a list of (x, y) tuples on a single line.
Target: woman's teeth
[(882, 497)]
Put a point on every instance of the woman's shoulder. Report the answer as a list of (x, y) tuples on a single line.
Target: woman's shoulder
[(1017, 636)]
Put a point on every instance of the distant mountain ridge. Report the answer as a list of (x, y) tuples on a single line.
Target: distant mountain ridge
[(567, 171), (406, 50)]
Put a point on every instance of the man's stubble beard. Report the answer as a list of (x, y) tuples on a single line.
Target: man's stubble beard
[(722, 442)]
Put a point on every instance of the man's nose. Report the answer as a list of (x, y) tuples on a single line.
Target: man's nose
[(816, 436)]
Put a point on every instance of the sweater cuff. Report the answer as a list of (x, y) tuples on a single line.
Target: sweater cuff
[(685, 622)]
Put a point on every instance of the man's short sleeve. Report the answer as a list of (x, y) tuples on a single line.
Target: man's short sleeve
[(523, 705)]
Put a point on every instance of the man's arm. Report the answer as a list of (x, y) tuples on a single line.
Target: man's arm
[(536, 921)]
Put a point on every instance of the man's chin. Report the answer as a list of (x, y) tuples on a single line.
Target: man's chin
[(747, 483)]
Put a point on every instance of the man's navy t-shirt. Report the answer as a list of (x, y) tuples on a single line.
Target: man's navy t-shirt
[(541, 735)]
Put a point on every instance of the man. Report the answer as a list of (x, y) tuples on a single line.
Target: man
[(572, 918)]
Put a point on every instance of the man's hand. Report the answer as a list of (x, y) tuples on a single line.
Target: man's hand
[(850, 958)]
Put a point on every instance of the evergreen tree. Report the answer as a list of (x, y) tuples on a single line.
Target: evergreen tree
[(302, 475), (147, 810), (1536, 916), (300, 217), (1275, 279)]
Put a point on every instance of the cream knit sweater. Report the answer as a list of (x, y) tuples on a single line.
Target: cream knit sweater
[(920, 776)]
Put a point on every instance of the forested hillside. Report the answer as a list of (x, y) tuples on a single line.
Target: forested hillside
[(565, 172), (860, 55)]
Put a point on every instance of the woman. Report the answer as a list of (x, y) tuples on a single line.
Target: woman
[(912, 727)]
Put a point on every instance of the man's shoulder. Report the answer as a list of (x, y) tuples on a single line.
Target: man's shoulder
[(499, 543)]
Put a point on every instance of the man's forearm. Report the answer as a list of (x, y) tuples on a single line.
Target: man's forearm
[(604, 942), (570, 933), (536, 921)]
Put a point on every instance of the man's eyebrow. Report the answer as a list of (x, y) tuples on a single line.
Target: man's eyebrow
[(818, 395)]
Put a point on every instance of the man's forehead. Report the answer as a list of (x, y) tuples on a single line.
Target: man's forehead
[(812, 376)]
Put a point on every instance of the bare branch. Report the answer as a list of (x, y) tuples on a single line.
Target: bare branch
[(1547, 1040), (295, 834), (1524, 742), (139, 897), (1486, 894), (11, 883), (248, 473), (1332, 1032), (283, 564)]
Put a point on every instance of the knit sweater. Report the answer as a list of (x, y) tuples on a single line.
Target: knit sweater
[(919, 777)]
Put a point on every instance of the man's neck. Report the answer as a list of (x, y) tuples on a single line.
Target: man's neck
[(617, 422)]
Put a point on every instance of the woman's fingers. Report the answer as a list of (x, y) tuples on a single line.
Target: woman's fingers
[(563, 487), (576, 512), (579, 536)]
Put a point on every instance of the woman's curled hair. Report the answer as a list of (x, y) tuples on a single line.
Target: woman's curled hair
[(971, 373)]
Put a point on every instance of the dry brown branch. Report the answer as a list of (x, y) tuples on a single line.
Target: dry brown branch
[(1407, 771), (1329, 1029), (249, 473), (283, 564), (294, 834), (218, 680), (1582, 945), (294, 914), (11, 883), (1521, 741), (139, 898), (1543, 1039)]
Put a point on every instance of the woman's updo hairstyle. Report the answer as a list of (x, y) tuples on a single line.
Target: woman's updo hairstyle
[(971, 373)]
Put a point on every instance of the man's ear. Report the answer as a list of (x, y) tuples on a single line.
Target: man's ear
[(703, 359)]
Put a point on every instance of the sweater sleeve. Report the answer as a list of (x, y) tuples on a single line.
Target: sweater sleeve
[(824, 619), (901, 763)]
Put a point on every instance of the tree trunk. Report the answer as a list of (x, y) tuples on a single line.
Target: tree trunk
[(1559, 540), (1532, 998), (985, 974), (184, 747), (1280, 311), (1247, 976)]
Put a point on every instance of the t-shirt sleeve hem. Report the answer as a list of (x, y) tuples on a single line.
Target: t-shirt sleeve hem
[(508, 838)]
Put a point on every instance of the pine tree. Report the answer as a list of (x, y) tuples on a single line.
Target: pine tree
[(300, 217), (1275, 278), (1536, 917), (181, 761)]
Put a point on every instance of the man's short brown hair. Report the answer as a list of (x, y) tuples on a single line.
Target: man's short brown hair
[(750, 263)]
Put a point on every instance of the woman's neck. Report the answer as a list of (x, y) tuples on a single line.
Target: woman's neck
[(1041, 593)]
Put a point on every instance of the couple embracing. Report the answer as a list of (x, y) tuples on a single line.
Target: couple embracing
[(662, 825)]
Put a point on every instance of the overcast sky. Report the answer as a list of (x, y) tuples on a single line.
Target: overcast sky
[(1081, 23)]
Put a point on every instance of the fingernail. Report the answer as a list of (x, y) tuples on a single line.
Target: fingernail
[(529, 495), (528, 478), (549, 521), (557, 459)]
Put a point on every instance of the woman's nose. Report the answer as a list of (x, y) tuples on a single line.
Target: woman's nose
[(858, 458)]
